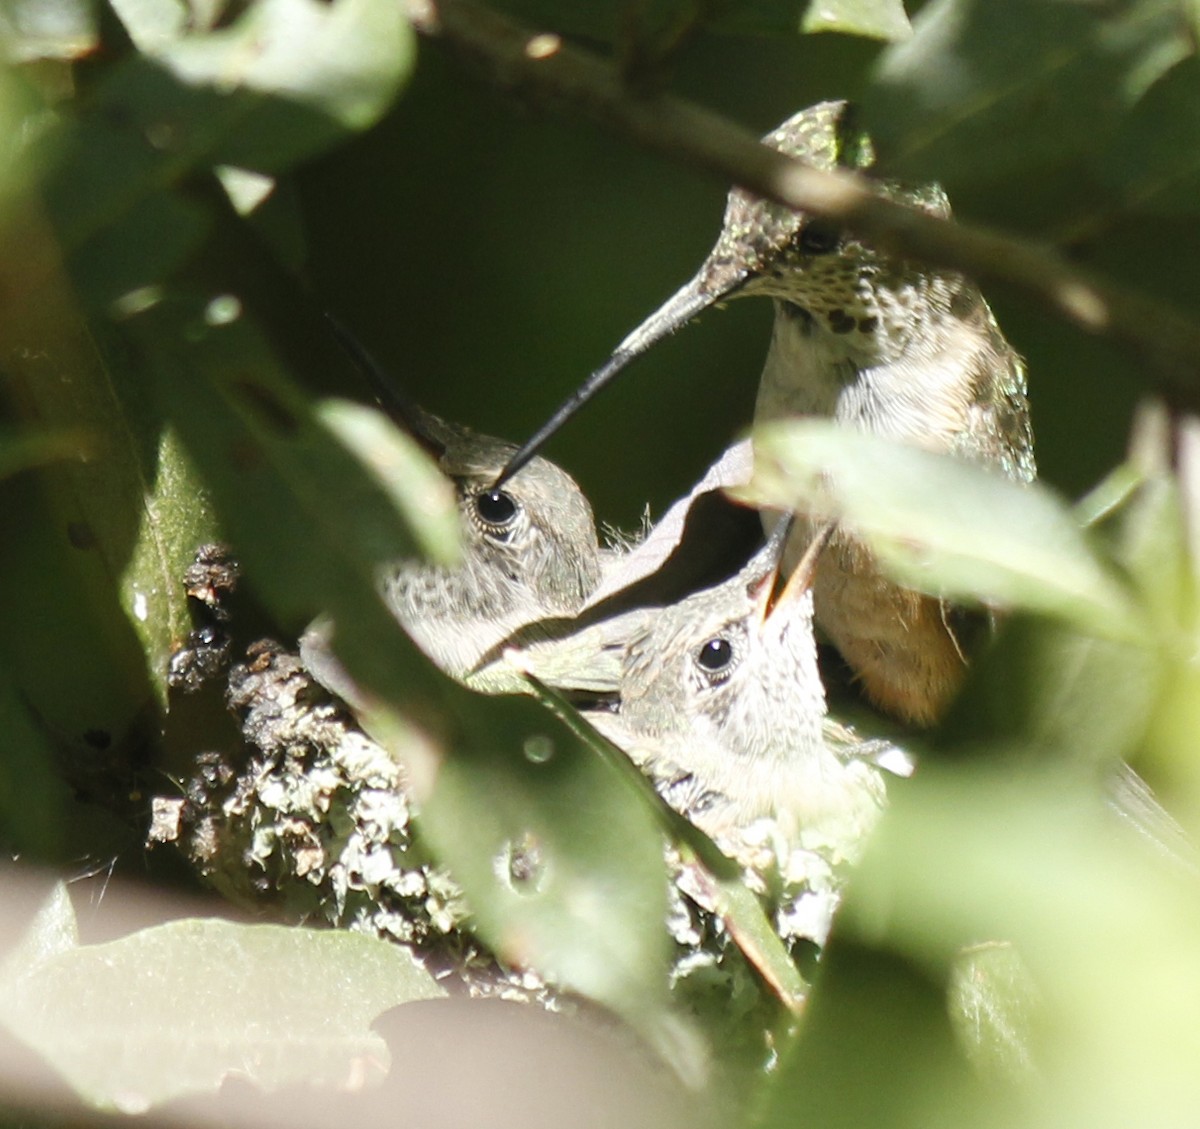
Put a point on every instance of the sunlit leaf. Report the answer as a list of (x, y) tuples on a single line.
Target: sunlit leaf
[(876, 19), (175, 1009), (47, 29), (343, 61), (287, 79), (945, 526)]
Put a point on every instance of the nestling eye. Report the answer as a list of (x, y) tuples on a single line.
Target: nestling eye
[(818, 237), (715, 656), (496, 509)]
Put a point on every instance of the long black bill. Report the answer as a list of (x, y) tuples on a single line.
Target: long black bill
[(679, 309)]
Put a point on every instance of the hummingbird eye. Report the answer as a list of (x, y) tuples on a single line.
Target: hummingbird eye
[(818, 237), (715, 657), (496, 509)]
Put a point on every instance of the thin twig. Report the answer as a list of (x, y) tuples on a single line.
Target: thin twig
[(541, 68)]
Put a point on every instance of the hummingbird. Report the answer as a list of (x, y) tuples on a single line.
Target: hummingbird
[(881, 344), (719, 700), (530, 550)]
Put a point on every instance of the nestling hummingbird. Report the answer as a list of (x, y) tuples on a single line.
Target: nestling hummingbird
[(529, 548), (887, 346), (721, 703)]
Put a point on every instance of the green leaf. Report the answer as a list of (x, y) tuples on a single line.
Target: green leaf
[(1038, 859), (286, 80), (601, 19), (175, 1009), (35, 29), (1043, 691), (986, 538), (128, 498), (988, 98), (877, 1047), (875, 19), (993, 1005), (20, 451), (342, 62)]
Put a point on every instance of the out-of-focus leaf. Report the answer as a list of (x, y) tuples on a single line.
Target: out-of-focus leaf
[(1153, 163), (1109, 494), (561, 870), (993, 1001), (47, 29), (1036, 858), (18, 452), (1045, 691), (988, 98), (344, 62), (601, 19), (876, 1047), (1151, 543), (153, 24), (875, 19), (177, 1008), (946, 526), (287, 79)]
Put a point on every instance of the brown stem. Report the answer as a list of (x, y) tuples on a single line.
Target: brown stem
[(541, 68)]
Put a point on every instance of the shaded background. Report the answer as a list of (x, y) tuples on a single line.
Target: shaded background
[(492, 255)]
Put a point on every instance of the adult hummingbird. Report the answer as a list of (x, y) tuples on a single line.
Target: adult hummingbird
[(885, 345), (529, 548)]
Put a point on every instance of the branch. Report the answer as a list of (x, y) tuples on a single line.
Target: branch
[(544, 70)]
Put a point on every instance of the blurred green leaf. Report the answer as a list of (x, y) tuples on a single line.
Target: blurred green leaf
[(286, 80), (551, 849), (987, 538), (600, 19), (1016, 98), (1108, 928), (876, 1047), (1043, 691), (343, 62), (47, 29), (876, 19), (177, 1008), (993, 1003), (21, 451)]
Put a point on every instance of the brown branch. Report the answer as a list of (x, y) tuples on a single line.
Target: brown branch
[(544, 70)]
